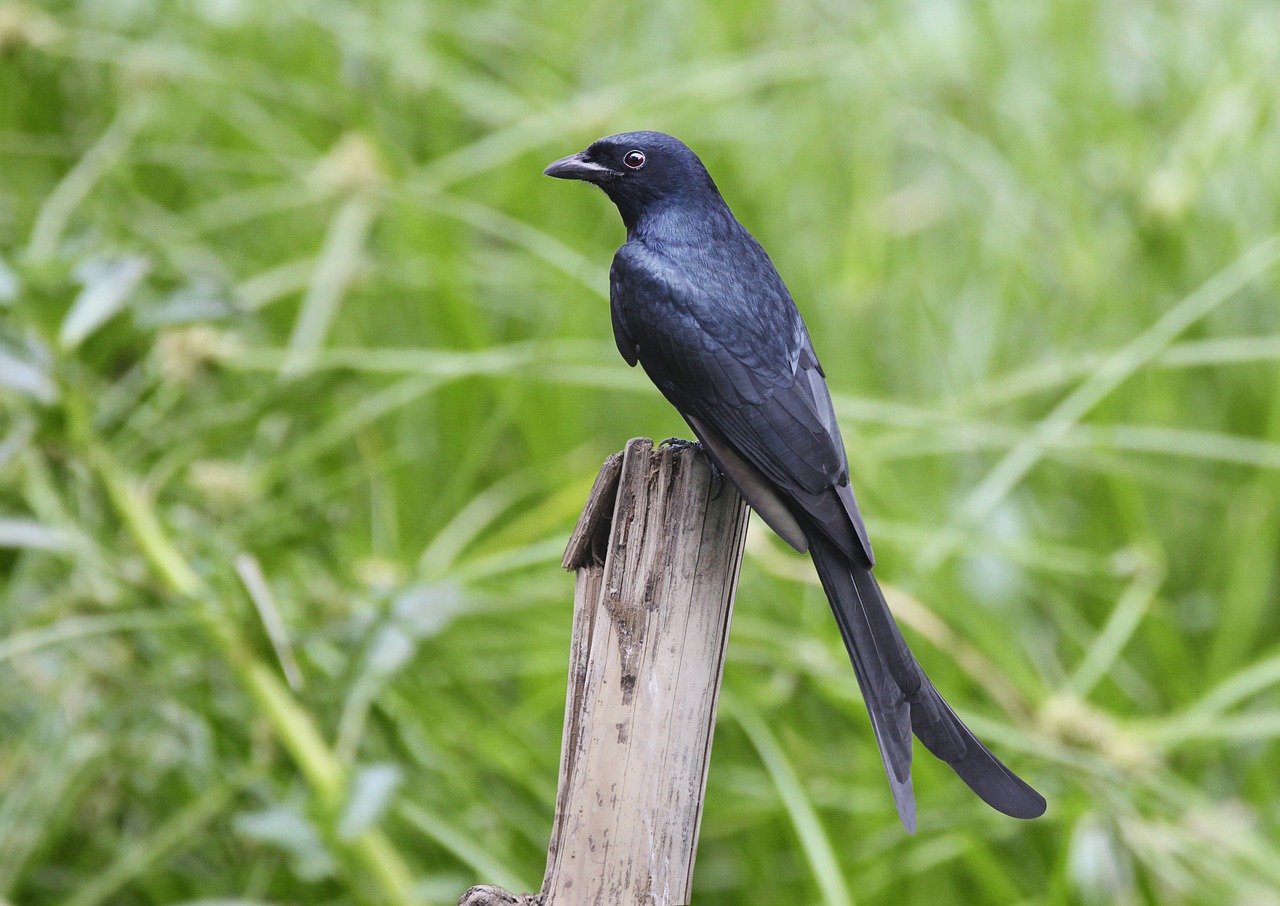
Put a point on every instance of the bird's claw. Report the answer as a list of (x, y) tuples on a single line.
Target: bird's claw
[(717, 476), (717, 479)]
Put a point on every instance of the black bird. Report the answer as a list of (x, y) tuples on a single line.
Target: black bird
[(697, 302)]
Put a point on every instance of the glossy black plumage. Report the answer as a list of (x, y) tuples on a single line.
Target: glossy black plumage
[(698, 304)]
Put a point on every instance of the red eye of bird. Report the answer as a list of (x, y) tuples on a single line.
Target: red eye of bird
[(634, 159)]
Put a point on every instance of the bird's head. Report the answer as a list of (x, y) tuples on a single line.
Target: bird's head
[(641, 172)]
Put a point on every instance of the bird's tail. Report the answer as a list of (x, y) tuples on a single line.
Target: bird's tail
[(901, 699)]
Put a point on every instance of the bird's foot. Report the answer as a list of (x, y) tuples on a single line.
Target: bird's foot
[(717, 479), (717, 476)]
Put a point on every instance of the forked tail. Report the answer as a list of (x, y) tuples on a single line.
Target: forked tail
[(901, 699)]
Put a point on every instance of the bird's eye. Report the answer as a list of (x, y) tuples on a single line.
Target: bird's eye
[(634, 159)]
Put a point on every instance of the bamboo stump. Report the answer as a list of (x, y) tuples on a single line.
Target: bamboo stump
[(657, 559)]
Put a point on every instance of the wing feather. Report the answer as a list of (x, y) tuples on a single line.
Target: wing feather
[(755, 384)]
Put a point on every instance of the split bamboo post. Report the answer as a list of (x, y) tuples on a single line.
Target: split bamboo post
[(657, 554)]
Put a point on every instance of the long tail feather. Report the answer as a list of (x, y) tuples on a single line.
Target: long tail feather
[(901, 699)]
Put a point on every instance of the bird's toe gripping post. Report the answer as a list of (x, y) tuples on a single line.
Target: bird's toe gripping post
[(717, 474)]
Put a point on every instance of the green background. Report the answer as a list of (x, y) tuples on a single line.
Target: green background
[(305, 371)]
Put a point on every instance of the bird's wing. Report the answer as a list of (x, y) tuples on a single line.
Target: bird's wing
[(737, 362)]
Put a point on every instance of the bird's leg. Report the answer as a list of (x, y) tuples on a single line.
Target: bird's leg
[(717, 476)]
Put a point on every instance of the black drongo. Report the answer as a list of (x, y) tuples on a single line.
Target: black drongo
[(697, 302)]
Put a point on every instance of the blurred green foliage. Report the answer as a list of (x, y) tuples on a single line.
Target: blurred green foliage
[(305, 371)]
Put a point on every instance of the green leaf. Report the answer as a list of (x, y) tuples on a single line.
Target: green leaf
[(107, 288)]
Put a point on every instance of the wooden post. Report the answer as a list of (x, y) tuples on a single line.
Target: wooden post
[(657, 559)]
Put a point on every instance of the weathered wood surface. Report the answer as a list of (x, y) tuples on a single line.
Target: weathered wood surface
[(657, 559)]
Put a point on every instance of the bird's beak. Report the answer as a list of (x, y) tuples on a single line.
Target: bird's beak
[(576, 166)]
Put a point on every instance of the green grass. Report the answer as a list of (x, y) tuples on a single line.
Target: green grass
[(305, 371)]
